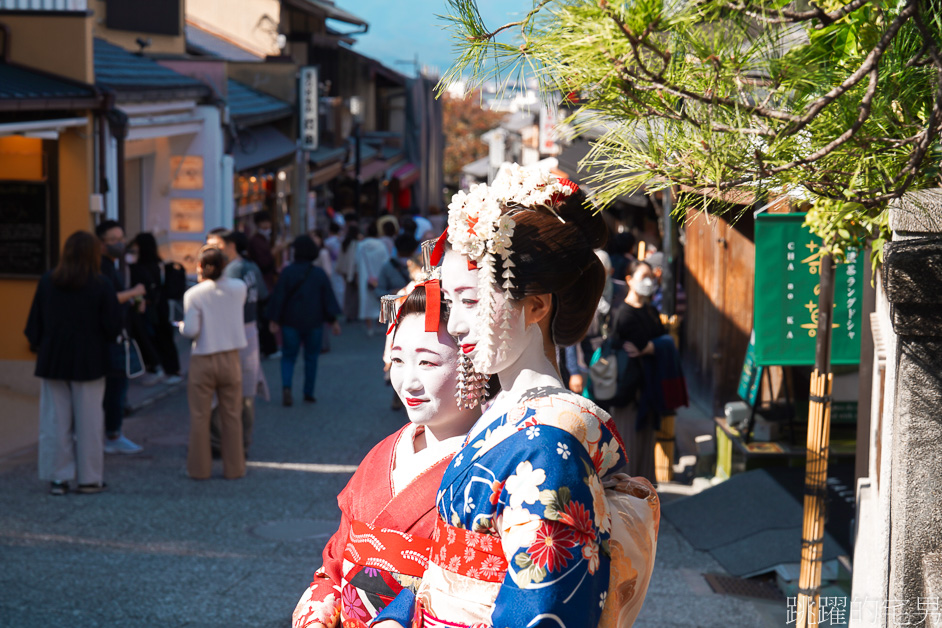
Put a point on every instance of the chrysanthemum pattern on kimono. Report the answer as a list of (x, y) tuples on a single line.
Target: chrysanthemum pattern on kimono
[(532, 479)]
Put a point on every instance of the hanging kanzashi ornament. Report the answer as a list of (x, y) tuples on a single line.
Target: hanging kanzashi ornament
[(479, 230)]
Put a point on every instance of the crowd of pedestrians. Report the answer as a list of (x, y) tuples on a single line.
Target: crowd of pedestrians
[(112, 310)]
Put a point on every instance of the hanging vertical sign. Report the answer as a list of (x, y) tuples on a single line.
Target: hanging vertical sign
[(788, 283), (549, 116), (307, 103)]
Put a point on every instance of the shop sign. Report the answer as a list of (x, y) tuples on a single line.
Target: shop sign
[(787, 285), (186, 215), (308, 101), (187, 172), (549, 117)]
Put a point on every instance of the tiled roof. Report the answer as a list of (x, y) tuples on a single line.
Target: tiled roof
[(26, 86), (124, 72), (206, 43), (249, 106)]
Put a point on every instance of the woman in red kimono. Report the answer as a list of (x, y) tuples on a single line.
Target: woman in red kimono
[(388, 507)]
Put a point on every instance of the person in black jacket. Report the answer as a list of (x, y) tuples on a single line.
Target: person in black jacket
[(636, 325), (301, 303), (74, 317), (148, 269)]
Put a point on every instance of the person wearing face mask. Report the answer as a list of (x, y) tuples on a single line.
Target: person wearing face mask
[(265, 253), (143, 258), (637, 324), (111, 236), (369, 560), (527, 534)]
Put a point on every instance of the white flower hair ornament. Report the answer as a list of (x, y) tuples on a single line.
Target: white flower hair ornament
[(479, 230)]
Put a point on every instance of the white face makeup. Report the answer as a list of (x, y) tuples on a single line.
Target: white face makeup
[(460, 290), (424, 374)]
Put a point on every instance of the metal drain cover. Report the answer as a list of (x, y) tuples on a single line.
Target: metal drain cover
[(295, 530), (730, 585)]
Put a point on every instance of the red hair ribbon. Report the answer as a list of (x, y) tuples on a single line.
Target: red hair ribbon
[(433, 303), (439, 251), (433, 306)]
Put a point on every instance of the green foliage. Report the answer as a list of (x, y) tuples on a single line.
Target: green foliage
[(846, 226), (841, 102)]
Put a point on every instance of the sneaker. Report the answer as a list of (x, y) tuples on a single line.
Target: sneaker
[(58, 488), (310, 398), (173, 380), (152, 379), (274, 356), (121, 445), (91, 489)]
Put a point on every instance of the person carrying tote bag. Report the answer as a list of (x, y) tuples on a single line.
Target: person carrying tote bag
[(212, 317)]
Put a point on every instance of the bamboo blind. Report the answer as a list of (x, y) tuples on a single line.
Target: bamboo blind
[(816, 470)]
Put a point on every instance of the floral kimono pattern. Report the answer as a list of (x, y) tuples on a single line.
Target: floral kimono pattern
[(532, 481), (382, 544)]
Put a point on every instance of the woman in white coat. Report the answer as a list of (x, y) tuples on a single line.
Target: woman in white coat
[(370, 256)]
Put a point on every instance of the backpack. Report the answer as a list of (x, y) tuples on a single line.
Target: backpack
[(173, 281)]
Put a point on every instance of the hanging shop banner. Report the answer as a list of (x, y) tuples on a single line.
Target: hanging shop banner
[(788, 274), (307, 102), (750, 380)]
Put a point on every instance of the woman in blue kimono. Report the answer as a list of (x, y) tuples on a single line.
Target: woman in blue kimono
[(523, 537)]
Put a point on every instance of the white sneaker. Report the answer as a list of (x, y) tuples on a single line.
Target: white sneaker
[(275, 356), (152, 379), (173, 380), (121, 445)]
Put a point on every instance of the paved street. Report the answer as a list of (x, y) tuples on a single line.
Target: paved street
[(158, 549)]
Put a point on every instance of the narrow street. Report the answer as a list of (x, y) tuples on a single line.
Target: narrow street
[(159, 549)]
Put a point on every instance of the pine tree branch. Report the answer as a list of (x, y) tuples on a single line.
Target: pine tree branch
[(872, 61), (784, 16), (521, 23)]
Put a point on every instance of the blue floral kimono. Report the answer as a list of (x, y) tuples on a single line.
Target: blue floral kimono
[(523, 536)]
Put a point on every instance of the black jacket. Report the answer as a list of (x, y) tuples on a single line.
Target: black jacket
[(70, 330), (303, 298)]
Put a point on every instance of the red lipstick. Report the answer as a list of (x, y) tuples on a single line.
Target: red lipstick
[(468, 348), (412, 402)]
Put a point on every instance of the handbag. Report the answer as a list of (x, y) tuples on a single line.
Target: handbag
[(126, 357), (603, 372)]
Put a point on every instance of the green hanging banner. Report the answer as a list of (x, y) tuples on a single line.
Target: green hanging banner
[(788, 265)]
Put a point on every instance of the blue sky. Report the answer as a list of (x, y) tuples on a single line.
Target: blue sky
[(400, 29)]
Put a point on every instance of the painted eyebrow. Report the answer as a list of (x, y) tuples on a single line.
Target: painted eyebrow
[(422, 350)]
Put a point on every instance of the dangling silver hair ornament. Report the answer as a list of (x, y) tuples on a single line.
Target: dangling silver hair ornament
[(389, 310), (472, 386)]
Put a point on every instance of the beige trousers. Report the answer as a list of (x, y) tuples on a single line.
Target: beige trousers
[(71, 430), (219, 374)]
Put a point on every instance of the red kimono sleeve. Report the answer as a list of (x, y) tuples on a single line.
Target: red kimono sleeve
[(321, 601)]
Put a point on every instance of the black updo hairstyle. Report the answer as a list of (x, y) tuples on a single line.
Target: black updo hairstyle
[(557, 257), (212, 261)]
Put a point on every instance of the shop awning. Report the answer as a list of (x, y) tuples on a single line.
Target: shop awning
[(324, 174), (44, 129), (373, 170), (407, 175), (251, 107), (26, 89), (259, 145), (325, 154)]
